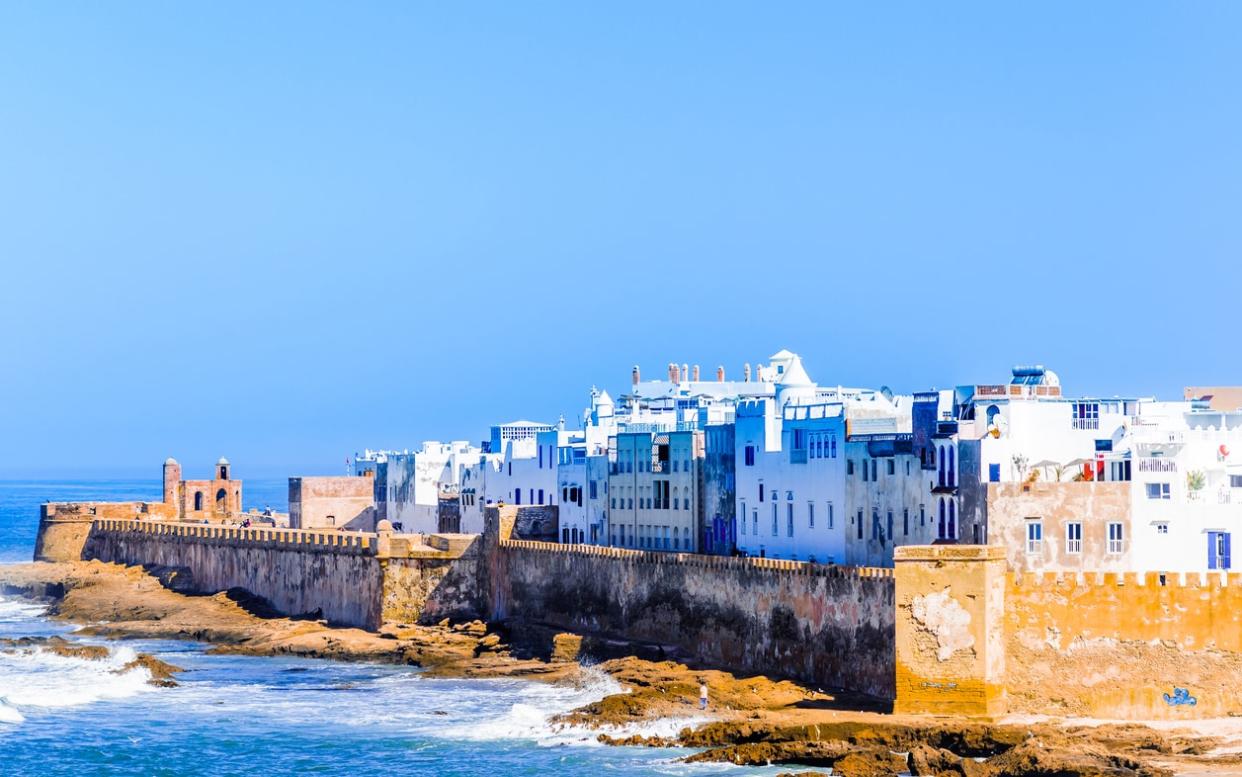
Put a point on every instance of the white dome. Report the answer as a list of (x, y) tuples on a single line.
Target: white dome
[(169, 460), (222, 461)]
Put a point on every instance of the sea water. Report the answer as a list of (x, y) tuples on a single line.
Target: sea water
[(235, 715)]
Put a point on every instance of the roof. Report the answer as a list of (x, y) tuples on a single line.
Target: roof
[(795, 375)]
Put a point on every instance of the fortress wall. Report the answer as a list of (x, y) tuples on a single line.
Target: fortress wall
[(1113, 645), (828, 626), (299, 572), (64, 526)]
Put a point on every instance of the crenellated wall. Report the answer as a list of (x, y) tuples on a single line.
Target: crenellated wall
[(1114, 645), (347, 578), (828, 626)]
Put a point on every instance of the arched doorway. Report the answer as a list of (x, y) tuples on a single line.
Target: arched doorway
[(221, 501)]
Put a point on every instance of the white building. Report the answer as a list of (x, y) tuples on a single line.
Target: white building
[(411, 485)]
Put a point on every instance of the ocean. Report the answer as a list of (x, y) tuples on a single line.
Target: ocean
[(240, 715)]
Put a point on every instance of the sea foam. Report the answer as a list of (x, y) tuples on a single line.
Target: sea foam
[(31, 678)]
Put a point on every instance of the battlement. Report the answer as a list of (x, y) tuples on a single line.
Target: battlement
[(704, 561), (303, 539), (1035, 581)]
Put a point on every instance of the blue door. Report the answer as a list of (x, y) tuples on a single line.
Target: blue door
[(1218, 550)]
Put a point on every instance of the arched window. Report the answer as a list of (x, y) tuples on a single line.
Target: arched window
[(941, 476), (952, 471), (940, 529), (993, 411), (221, 499), (198, 500), (952, 520)]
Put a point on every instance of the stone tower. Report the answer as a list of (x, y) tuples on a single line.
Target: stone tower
[(172, 482), (222, 469)]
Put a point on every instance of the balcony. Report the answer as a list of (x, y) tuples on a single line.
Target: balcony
[(1156, 464), (1091, 424)]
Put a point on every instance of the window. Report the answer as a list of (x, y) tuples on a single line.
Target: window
[(754, 521), (892, 467), (874, 464), (833, 443), (859, 527), (810, 515), (1235, 481), (1034, 535), (849, 466), (1114, 538), (593, 491), (1162, 527), (830, 516), (1218, 550), (864, 470), (1073, 537), (890, 524), (993, 473), (1086, 415), (540, 497), (750, 455), (905, 521), (922, 515), (742, 512), (789, 519), (774, 518), (1158, 491)]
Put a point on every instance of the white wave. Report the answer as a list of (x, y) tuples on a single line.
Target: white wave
[(35, 678), (10, 714), (14, 610)]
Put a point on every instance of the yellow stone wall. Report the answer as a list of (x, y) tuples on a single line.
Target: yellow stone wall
[(950, 652)]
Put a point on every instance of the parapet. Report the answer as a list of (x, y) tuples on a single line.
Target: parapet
[(698, 560), (943, 553)]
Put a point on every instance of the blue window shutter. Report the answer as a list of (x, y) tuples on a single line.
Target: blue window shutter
[(1212, 560), (1224, 562)]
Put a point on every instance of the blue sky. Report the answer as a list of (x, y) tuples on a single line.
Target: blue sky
[(283, 232)]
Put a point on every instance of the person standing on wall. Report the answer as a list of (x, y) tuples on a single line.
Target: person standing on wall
[(702, 696)]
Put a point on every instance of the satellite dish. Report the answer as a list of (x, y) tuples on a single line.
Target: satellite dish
[(998, 427), (887, 393)]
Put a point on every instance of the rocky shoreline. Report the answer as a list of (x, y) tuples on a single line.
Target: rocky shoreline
[(756, 720)]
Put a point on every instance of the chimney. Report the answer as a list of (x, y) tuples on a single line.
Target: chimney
[(685, 371), (634, 376), (746, 372), (674, 373), (696, 374), (720, 373)]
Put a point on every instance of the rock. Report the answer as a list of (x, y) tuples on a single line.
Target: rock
[(161, 672), (565, 647), (490, 642), (1032, 759), (764, 753), (870, 762), (928, 761)]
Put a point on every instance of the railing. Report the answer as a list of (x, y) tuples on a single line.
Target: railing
[(1087, 423), (1157, 464)]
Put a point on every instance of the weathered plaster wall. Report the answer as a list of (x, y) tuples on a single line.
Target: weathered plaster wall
[(336, 502), (829, 626), (1093, 504), (333, 574), (1112, 645), (949, 630)]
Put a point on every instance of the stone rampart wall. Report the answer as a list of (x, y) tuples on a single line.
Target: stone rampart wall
[(829, 626), (333, 574), (1120, 645)]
